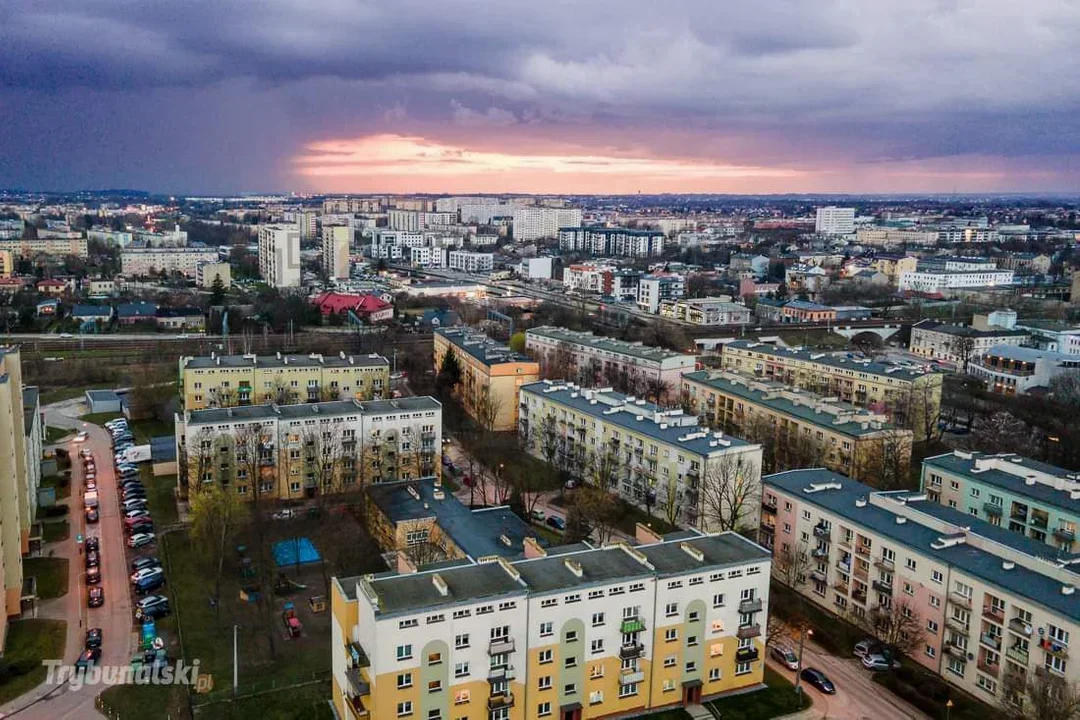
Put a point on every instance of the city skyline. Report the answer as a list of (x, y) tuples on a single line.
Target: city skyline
[(496, 97)]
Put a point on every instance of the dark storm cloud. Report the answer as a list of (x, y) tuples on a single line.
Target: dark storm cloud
[(784, 81)]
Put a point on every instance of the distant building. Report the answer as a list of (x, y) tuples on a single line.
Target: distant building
[(1052, 335), (958, 344), (92, 313), (1014, 370), (28, 248), (7, 264), (834, 220), (655, 289), (532, 222), (206, 272), (942, 281), (810, 279), (52, 287), (335, 251), (131, 313), (895, 237), (48, 308), (144, 262), (605, 241), (540, 268), (184, 319), (706, 311), (279, 256), (470, 262), (804, 311)]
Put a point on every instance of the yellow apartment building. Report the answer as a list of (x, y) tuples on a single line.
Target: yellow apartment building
[(491, 374), (16, 504), (239, 380)]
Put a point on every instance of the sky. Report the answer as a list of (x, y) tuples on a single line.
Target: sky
[(561, 96)]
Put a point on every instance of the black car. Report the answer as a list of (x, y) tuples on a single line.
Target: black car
[(95, 596), (813, 676), (88, 658), (132, 484), (92, 559), (92, 544), (91, 515), (142, 563), (142, 527), (93, 638)]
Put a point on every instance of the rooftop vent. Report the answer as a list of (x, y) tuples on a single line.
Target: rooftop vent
[(440, 584), (692, 551), (860, 502), (573, 566), (900, 519), (505, 540), (1007, 565)]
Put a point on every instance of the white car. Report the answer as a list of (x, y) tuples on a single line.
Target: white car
[(145, 573), (874, 661), (286, 514), (81, 437), (140, 539)]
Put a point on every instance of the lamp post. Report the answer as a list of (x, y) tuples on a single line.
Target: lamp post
[(798, 673), (948, 709)]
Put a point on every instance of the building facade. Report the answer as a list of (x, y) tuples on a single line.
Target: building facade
[(706, 311), (291, 452), (143, 262), (931, 281), (656, 289), (335, 251), (990, 602), (16, 482), (206, 272), (911, 397), (491, 375), (590, 633), (854, 441), (958, 344), (470, 262), (532, 222), (599, 361), (611, 242), (28, 248), (834, 220), (1013, 370), (649, 456), (238, 380), (279, 255)]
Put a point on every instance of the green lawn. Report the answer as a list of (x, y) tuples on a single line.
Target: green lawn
[(776, 700), (51, 574), (143, 430), (28, 643), (52, 395), (56, 531), (54, 434), (148, 702), (159, 496), (304, 703)]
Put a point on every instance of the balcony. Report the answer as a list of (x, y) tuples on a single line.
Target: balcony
[(752, 605), (959, 626), (841, 587), (631, 650), (1039, 521), (747, 654), (818, 576), (500, 646), (822, 532), (631, 625), (962, 600), (631, 677), (502, 700), (1020, 627), (1066, 534), (991, 641), (844, 567), (956, 651), (1018, 655), (1054, 648), (748, 631), (356, 682), (988, 668), (500, 673), (820, 552), (993, 509), (768, 528), (883, 564), (883, 587), (859, 596), (994, 614), (863, 550)]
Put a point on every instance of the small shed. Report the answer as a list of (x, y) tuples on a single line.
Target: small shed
[(163, 455), (102, 401)]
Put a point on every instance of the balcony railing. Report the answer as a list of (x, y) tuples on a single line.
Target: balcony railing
[(991, 640), (993, 509), (500, 673), (863, 550), (631, 650), (1039, 521), (502, 700), (956, 651), (859, 597), (844, 567), (883, 587), (631, 677), (1020, 627), (962, 600), (752, 605), (1018, 655), (884, 564), (1054, 648), (959, 626), (988, 668), (631, 625), (748, 631), (994, 614), (822, 532), (841, 587), (500, 646), (1066, 534), (820, 552), (747, 654)]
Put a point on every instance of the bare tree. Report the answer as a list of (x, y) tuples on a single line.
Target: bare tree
[(886, 463), (962, 347), (791, 565), (199, 461), (595, 510), (214, 514), (656, 390), (604, 465), (486, 409), (324, 449), (223, 397), (1041, 695), (1065, 388), (1005, 433), (671, 502), (896, 625), (731, 493)]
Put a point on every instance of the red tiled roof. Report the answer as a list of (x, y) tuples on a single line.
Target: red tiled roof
[(371, 304), (331, 302)]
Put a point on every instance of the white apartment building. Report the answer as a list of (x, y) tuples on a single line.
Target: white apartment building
[(431, 257), (142, 262), (335, 251), (587, 278), (307, 224), (484, 240), (539, 268), (604, 241), (28, 248), (655, 289), (205, 272), (279, 255), (470, 262), (941, 281), (958, 344), (416, 221), (967, 235), (895, 237), (532, 222), (1013, 370), (834, 220), (579, 634), (1053, 335), (990, 601), (117, 238), (706, 311)]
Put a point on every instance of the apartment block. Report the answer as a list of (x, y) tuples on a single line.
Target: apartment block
[(597, 360), (834, 220), (471, 262), (335, 251), (573, 633), (299, 451), (1013, 370), (16, 504), (1022, 495), (142, 262), (532, 222), (895, 237), (606, 241), (650, 456), (653, 290), (851, 440), (279, 255), (706, 311), (911, 397), (943, 281), (206, 272), (28, 248), (990, 602), (958, 344), (491, 374), (236, 380)]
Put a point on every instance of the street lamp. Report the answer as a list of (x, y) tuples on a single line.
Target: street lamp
[(948, 709), (798, 673)]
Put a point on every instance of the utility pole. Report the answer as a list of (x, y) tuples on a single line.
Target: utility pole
[(798, 673), (236, 666)]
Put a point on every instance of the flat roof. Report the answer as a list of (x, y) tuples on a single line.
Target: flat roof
[(690, 437), (102, 395), (822, 357), (965, 330), (918, 534), (618, 347), (479, 533), (1013, 482), (480, 346), (1026, 354), (739, 386), (280, 361), (598, 567), (417, 591), (717, 551), (311, 410)]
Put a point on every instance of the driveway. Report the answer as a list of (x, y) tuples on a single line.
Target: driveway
[(115, 617), (857, 696)]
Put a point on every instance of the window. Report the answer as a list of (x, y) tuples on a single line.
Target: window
[(434, 658), (935, 601), (546, 628), (549, 602), (597, 619), (596, 646), (909, 589), (932, 627), (671, 609), (637, 587), (543, 709), (742, 668), (438, 618), (404, 708), (434, 686), (628, 690), (461, 669), (956, 666), (570, 689), (544, 683), (692, 616), (714, 674), (936, 576), (1057, 634), (597, 671), (462, 696), (596, 698), (805, 514), (570, 662), (718, 600), (691, 640), (671, 634), (545, 656), (576, 597), (404, 680), (405, 624), (1055, 664), (931, 651), (404, 652), (986, 684), (461, 641), (691, 666), (571, 636), (669, 661)]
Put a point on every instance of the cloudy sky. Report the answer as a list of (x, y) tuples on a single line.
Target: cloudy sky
[(558, 96)]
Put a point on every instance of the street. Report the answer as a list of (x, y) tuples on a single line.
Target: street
[(115, 617)]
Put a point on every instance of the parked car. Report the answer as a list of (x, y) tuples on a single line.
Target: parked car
[(286, 514), (876, 661), (146, 526), (140, 540), (136, 513), (133, 503), (538, 515), (81, 437), (89, 657), (786, 657), (556, 522), (813, 676), (152, 606), (865, 647), (92, 559), (91, 485), (93, 638), (150, 584), (95, 596), (145, 573), (91, 515), (144, 562), (92, 544), (93, 576)]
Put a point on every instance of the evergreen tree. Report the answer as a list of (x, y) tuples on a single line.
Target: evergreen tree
[(217, 290), (449, 376)]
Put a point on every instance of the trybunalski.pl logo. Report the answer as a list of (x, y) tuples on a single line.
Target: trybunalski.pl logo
[(178, 673)]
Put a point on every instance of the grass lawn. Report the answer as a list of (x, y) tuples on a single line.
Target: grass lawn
[(52, 395), (143, 430), (55, 531), (778, 699), (159, 496), (304, 703), (28, 643), (146, 701), (51, 574), (53, 434)]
